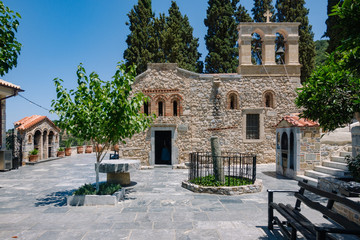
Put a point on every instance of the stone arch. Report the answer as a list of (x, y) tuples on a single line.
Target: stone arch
[(51, 144), (284, 151), (232, 100), (29, 138), (281, 47), (269, 99), (257, 47), (160, 105), (176, 104)]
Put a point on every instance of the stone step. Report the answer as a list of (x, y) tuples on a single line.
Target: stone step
[(315, 174), (332, 171), (311, 181), (350, 149), (338, 159), (338, 165), (344, 154)]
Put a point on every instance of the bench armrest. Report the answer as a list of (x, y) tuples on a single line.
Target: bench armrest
[(282, 191), (337, 230)]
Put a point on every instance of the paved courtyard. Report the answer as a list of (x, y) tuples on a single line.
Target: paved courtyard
[(33, 206)]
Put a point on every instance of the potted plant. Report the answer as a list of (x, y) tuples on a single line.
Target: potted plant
[(88, 149), (98, 148), (80, 148), (68, 143), (33, 155), (61, 152)]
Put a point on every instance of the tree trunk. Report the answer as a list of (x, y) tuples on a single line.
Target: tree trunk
[(217, 161), (97, 176)]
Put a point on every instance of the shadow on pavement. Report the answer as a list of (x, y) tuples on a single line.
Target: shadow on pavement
[(275, 234), (274, 175), (56, 199)]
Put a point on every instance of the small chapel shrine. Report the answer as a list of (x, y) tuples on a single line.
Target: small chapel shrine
[(298, 145), (240, 108), (38, 132)]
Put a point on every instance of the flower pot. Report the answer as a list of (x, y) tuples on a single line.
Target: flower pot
[(80, 149), (67, 151), (99, 148), (88, 149), (33, 158), (61, 154), (116, 147)]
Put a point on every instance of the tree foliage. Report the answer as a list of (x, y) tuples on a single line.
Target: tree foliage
[(221, 37), (260, 8), (332, 93), (102, 112), (320, 50), (295, 11), (242, 15), (333, 31), (161, 39), (10, 47), (141, 39)]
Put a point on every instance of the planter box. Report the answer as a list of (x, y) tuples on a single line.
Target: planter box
[(96, 200), (80, 149)]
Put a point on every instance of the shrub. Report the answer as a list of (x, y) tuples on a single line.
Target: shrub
[(104, 189), (229, 181), (354, 166), (34, 152), (61, 149)]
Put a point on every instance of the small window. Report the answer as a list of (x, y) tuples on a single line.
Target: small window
[(146, 108), (269, 99), (252, 126), (175, 108), (29, 139), (160, 108), (232, 101)]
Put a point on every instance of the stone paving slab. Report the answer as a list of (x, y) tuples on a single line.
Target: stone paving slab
[(33, 206)]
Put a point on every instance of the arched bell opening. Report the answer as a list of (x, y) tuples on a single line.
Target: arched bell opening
[(280, 48), (256, 49)]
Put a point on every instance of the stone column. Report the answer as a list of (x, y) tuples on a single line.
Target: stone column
[(46, 146), (245, 50), (355, 140), (268, 50), (292, 50), (41, 147), (217, 161)]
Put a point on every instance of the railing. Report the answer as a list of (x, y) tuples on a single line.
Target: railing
[(234, 165)]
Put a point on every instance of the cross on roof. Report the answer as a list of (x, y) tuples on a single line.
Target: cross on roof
[(268, 15)]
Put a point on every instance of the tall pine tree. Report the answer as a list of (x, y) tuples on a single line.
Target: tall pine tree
[(295, 11), (180, 45), (333, 32), (260, 8), (140, 46), (221, 37), (241, 15)]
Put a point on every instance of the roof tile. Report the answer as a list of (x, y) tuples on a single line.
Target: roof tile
[(296, 121)]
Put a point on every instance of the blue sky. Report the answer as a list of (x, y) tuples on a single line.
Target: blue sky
[(57, 35)]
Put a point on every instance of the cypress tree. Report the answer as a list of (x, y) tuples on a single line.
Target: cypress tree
[(295, 11), (180, 45), (157, 43), (260, 8), (221, 37), (333, 32), (241, 15), (140, 46)]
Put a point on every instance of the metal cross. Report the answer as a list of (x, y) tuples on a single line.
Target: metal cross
[(268, 15)]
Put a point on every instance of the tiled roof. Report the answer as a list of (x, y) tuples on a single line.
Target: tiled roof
[(296, 121), (10, 85), (28, 122)]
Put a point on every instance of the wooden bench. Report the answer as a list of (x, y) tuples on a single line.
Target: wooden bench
[(295, 221)]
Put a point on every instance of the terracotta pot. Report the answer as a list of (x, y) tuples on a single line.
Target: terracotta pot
[(99, 148), (61, 154), (80, 149), (33, 158), (116, 147), (88, 149), (67, 151)]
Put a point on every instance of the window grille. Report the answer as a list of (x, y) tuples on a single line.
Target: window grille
[(252, 126)]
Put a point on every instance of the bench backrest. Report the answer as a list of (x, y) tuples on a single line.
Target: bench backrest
[(327, 210)]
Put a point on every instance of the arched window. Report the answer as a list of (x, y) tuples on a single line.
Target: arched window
[(161, 108), (268, 99), (232, 100), (256, 49), (29, 139), (146, 108), (279, 49), (175, 108)]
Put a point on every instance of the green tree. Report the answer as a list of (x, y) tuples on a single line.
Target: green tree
[(260, 8), (101, 112), (242, 15), (141, 39), (295, 11), (332, 32), (221, 37), (181, 46), (10, 47), (320, 49), (332, 93), (159, 40)]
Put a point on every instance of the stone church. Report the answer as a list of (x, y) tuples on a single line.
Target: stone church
[(240, 108)]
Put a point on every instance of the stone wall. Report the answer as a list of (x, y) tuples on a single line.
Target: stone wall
[(310, 148), (200, 95)]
